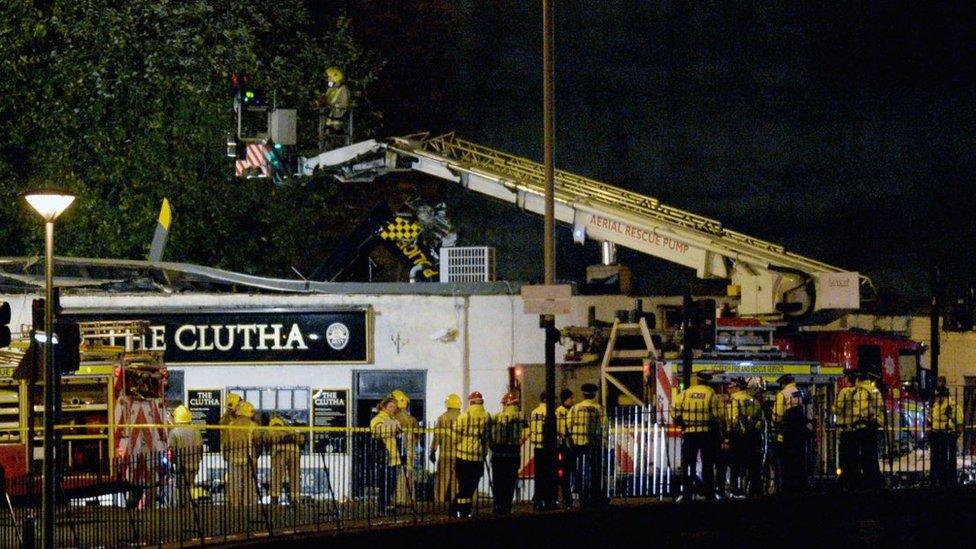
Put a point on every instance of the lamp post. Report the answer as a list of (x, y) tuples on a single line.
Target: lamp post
[(49, 204), (548, 322)]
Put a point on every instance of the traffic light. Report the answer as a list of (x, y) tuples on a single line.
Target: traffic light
[(4, 324), (67, 350), (277, 163), (67, 335)]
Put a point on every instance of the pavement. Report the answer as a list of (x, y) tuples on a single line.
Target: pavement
[(874, 519)]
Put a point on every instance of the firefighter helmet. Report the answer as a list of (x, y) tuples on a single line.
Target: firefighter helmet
[(182, 415), (402, 400), (452, 402), (246, 409), (334, 74), (276, 422), (475, 398), (510, 397), (233, 400)]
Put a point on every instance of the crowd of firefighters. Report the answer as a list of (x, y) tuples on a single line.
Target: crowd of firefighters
[(732, 436), (242, 442), (463, 441), (726, 442)]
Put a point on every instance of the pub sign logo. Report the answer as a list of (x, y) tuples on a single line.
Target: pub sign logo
[(337, 335)]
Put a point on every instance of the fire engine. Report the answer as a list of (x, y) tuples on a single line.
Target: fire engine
[(103, 405)]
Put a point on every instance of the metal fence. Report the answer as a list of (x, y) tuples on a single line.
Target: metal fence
[(271, 481)]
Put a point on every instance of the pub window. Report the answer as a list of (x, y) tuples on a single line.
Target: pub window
[(291, 403)]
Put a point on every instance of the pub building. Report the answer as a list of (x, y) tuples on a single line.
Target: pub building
[(326, 354)]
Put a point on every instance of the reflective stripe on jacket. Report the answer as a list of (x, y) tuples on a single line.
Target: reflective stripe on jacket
[(384, 429), (744, 413), (789, 397), (868, 405), (444, 438), (506, 431), (470, 431), (946, 415), (697, 409), (844, 408), (538, 418), (586, 420)]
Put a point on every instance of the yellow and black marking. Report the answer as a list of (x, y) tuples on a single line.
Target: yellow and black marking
[(162, 231), (400, 229)]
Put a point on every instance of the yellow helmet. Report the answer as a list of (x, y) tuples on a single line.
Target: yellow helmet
[(233, 400), (401, 398), (246, 409), (276, 422), (453, 402), (334, 74), (182, 415)]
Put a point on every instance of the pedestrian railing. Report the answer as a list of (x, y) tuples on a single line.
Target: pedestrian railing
[(271, 481)]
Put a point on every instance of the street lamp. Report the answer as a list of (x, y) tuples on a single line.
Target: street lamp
[(548, 322), (50, 204)]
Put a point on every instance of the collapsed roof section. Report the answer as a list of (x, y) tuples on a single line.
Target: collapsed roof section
[(125, 275)]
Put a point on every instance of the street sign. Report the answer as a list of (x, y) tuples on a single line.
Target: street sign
[(547, 299)]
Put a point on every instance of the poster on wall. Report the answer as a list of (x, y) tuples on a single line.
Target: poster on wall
[(205, 406), (330, 408)]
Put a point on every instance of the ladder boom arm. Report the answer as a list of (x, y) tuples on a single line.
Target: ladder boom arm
[(772, 279)]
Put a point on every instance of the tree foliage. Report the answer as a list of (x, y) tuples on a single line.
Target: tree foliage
[(125, 103)]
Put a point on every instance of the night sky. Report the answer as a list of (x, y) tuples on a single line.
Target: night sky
[(842, 130)]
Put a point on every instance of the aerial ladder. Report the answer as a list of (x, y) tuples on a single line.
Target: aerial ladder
[(771, 281)]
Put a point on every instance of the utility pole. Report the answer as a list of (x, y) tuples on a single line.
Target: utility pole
[(934, 314), (687, 352), (548, 321)]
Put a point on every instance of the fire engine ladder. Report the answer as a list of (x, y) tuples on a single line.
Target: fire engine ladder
[(617, 360), (767, 273)]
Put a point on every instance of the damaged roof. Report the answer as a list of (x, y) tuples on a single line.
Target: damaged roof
[(128, 275)]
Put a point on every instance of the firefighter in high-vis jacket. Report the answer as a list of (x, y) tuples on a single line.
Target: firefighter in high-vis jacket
[(869, 419), (233, 402), (286, 454), (792, 435), (848, 465), (470, 430), (946, 425), (333, 106), (240, 453), (586, 421), (505, 436), (698, 412), (537, 420), (410, 428), (386, 452), (186, 450), (743, 436), (564, 456), (445, 485), (564, 459)]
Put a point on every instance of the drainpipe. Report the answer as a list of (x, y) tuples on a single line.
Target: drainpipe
[(465, 348), (934, 315)]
